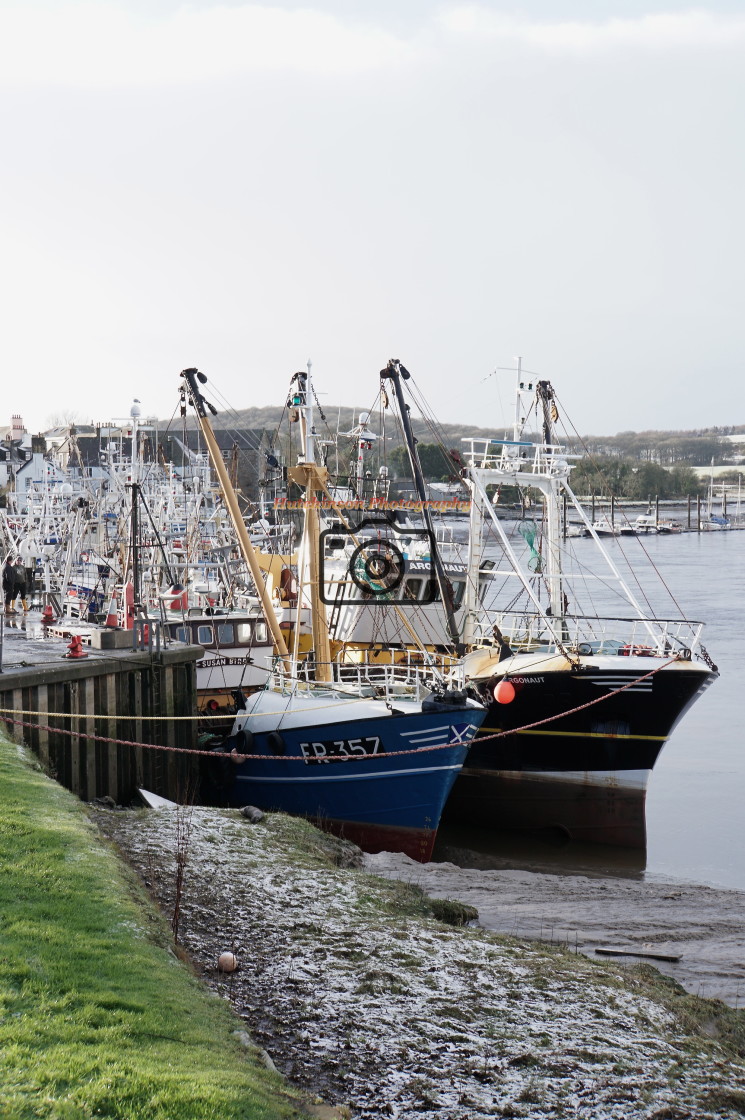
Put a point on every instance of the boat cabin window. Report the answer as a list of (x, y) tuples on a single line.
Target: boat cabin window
[(412, 587), (459, 590), (225, 634), (244, 633), (182, 634), (431, 591), (204, 636), (260, 632)]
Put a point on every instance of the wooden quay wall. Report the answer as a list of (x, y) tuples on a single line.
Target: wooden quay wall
[(66, 701)]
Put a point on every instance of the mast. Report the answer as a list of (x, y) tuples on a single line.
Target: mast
[(199, 403), (314, 480), (394, 371), (545, 397)]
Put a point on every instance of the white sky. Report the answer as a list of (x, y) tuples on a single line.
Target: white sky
[(243, 187)]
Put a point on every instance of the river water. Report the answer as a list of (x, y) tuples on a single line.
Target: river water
[(696, 795)]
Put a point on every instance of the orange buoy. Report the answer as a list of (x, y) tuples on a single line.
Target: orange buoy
[(504, 693)]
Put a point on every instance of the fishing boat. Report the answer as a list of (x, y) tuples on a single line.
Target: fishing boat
[(582, 698), (374, 768)]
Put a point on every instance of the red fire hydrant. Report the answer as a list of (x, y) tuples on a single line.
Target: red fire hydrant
[(76, 647)]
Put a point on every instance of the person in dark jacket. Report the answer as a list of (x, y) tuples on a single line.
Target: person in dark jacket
[(20, 585), (9, 585)]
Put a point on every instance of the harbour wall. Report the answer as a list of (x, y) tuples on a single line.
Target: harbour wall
[(127, 700)]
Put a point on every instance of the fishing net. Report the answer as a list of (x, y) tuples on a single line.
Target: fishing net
[(529, 532)]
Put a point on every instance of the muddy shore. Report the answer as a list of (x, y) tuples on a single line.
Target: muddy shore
[(359, 994), (704, 926)]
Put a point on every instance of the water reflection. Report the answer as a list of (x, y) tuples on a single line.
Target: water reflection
[(548, 852)]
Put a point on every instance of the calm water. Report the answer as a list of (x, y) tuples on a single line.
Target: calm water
[(696, 796)]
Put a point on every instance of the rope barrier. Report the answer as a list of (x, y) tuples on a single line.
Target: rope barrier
[(238, 758), (233, 756)]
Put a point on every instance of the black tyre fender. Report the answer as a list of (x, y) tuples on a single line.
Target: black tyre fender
[(244, 741), (276, 743)]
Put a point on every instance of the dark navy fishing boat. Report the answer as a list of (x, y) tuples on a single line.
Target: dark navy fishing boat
[(582, 698)]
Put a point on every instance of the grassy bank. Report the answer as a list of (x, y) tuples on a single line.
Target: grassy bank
[(98, 1018)]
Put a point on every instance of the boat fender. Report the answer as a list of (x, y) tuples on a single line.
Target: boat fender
[(288, 585), (276, 743), (504, 693), (244, 741)]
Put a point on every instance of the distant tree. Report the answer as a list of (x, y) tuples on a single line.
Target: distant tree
[(684, 482), (603, 474), (66, 419), (436, 463), (646, 481)]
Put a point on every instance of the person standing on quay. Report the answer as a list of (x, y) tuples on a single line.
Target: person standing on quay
[(20, 585), (9, 585)]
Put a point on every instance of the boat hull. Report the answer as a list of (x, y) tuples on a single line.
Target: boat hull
[(584, 773), (389, 798)]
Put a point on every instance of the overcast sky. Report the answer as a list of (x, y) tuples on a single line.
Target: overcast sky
[(243, 187)]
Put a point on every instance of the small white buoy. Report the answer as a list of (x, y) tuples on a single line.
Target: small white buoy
[(227, 962)]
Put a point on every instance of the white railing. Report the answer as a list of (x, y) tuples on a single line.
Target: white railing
[(407, 679), (509, 457), (527, 632)]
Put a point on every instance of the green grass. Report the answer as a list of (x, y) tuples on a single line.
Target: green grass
[(98, 1018)]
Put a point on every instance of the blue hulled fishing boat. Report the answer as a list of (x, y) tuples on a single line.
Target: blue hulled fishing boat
[(375, 769)]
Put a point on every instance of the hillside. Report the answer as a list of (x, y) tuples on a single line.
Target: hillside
[(343, 420)]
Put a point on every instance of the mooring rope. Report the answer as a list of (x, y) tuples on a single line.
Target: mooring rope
[(236, 757)]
